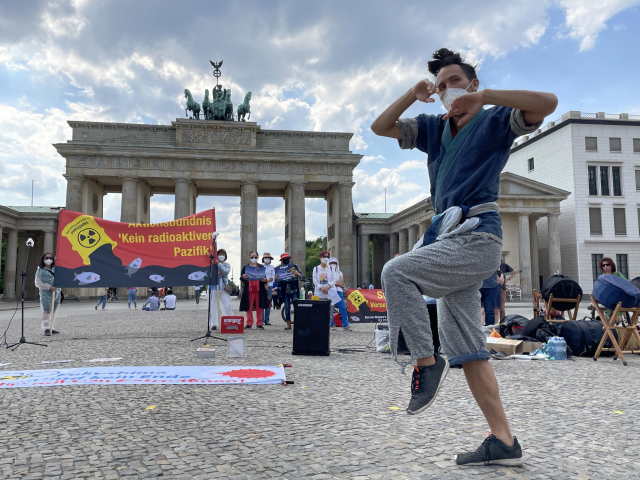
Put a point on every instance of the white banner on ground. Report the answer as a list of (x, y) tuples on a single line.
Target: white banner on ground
[(191, 375)]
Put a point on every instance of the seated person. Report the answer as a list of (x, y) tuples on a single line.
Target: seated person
[(153, 303), (170, 300)]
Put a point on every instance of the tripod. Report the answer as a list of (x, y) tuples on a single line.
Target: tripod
[(23, 274), (213, 271)]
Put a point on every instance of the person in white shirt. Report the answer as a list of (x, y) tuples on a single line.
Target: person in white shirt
[(371, 286), (270, 274), (325, 278), (197, 289), (170, 300), (342, 306)]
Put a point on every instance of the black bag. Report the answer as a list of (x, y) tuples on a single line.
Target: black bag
[(583, 336), (561, 286), (510, 321), (540, 329)]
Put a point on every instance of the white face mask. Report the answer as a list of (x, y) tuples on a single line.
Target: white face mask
[(222, 258), (48, 261), (452, 93), (253, 260), (325, 261), (267, 261)]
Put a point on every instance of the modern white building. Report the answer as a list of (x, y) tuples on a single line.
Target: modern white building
[(595, 157)]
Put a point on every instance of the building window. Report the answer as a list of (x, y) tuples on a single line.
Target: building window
[(622, 264), (593, 183), (604, 181), (619, 221), (591, 144), (636, 145), (637, 179), (595, 221), (617, 184), (595, 265), (331, 232), (531, 164), (615, 145), (639, 220)]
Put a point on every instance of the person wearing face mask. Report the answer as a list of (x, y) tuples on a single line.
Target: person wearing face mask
[(288, 285), (254, 295), (325, 278), (44, 280), (333, 263), (270, 274), (467, 147)]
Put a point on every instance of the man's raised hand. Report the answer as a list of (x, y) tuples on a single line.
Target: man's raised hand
[(467, 106), (423, 91)]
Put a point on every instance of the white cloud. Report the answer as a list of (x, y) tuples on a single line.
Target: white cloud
[(413, 165), (585, 20), (372, 158)]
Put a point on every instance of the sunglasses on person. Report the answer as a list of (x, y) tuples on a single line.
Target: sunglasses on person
[(606, 265)]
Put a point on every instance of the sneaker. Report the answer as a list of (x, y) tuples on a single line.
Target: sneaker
[(96, 307), (493, 452), (248, 326), (260, 327), (347, 329), (266, 323), (425, 384), (47, 333), (54, 331), (500, 355)]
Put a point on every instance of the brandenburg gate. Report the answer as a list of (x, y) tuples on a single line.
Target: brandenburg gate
[(194, 157)]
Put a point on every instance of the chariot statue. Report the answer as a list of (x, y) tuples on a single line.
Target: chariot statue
[(244, 109), (192, 105)]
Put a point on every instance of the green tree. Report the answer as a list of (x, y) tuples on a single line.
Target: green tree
[(314, 247)]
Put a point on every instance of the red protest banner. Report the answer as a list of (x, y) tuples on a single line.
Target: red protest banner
[(366, 306), (95, 252)]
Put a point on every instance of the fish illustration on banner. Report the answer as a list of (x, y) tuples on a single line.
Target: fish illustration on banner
[(93, 252), (133, 267)]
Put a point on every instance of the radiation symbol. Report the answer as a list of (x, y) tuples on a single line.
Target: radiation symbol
[(14, 377), (88, 237)]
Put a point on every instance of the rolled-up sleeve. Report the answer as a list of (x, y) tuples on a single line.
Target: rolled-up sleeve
[(518, 125), (409, 130)]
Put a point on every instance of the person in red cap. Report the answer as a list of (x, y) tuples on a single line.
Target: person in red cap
[(287, 275)]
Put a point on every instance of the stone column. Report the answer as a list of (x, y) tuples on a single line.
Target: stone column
[(10, 265), (386, 246), (31, 291), (345, 234), (524, 255), (74, 192), (413, 236), (555, 262), (249, 220), (129, 205), (535, 268), (22, 257), (182, 198), (422, 227), (365, 277), (297, 225), (393, 244), (48, 242), (402, 240)]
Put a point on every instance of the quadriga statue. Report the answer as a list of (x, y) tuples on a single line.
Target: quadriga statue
[(192, 105), (244, 108)]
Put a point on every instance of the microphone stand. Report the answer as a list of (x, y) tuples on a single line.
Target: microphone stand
[(213, 271), (23, 274)]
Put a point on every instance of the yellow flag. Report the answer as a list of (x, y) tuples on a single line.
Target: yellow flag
[(357, 299), (86, 236)]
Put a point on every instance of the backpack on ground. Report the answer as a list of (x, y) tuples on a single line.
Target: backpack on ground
[(609, 290), (583, 336), (540, 329), (561, 286), (508, 323)]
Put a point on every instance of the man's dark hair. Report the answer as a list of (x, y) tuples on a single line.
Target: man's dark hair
[(42, 265), (444, 57)]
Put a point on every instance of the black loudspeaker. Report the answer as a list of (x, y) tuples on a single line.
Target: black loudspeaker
[(311, 327)]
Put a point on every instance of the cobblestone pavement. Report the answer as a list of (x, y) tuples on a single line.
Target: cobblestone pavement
[(336, 421)]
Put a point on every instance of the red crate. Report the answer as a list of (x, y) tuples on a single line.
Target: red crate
[(232, 324)]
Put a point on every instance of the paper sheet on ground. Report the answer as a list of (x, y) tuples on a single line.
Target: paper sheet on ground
[(118, 375)]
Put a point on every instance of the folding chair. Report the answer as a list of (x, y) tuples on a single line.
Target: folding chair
[(548, 305), (610, 324)]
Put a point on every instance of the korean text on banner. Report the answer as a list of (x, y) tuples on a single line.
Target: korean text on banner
[(93, 252), (366, 306)]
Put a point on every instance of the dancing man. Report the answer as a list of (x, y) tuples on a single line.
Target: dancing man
[(467, 149)]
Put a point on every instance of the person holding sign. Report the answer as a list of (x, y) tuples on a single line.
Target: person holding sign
[(287, 275), (270, 274), (325, 278), (44, 280), (254, 295)]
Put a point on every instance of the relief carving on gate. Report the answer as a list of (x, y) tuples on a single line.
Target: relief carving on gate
[(220, 138)]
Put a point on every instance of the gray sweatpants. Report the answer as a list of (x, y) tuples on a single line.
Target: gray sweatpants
[(452, 271)]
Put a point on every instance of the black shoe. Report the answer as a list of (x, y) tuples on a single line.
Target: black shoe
[(425, 384), (260, 327), (267, 323), (248, 326), (500, 355), (96, 307), (54, 331), (493, 452), (47, 333)]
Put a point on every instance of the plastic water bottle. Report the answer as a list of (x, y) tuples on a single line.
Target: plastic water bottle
[(301, 293), (553, 348), (562, 349)]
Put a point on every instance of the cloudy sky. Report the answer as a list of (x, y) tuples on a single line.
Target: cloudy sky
[(311, 65)]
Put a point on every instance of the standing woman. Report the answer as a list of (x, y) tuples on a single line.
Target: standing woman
[(333, 263), (254, 296), (223, 280), (45, 276), (324, 279), (270, 274)]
